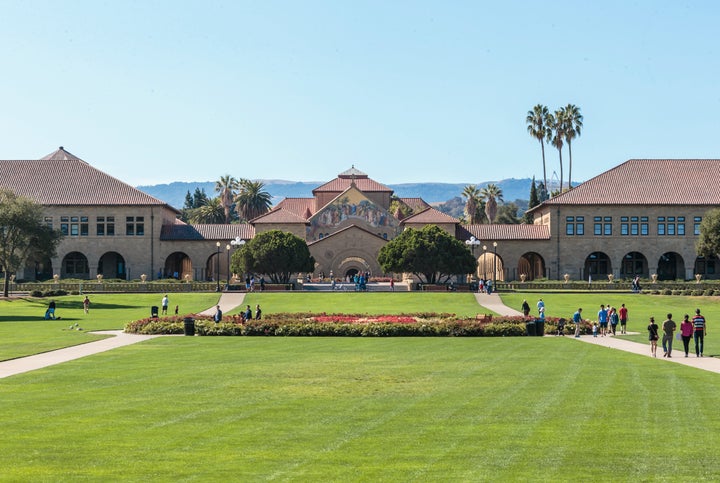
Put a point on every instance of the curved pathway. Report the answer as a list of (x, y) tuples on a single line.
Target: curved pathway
[(227, 302)]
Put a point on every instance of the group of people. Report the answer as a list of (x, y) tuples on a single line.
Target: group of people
[(250, 283), (50, 311), (695, 329), (485, 286), (241, 317), (609, 318)]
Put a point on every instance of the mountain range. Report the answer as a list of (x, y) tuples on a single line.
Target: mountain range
[(174, 193)]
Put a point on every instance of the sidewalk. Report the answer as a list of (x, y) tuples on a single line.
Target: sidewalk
[(712, 364), (228, 301)]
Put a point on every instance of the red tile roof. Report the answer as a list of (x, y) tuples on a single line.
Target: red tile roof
[(279, 215), (504, 232), (299, 206), (649, 182), (223, 233), (416, 204), (363, 184), (430, 216), (61, 178)]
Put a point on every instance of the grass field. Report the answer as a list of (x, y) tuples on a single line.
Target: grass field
[(359, 409)]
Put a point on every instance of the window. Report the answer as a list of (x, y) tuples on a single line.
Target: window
[(569, 225), (696, 225), (135, 225), (597, 225), (580, 225), (624, 230), (74, 226), (65, 225), (575, 225), (661, 225), (681, 225), (105, 226), (644, 227), (49, 222), (607, 226), (84, 226)]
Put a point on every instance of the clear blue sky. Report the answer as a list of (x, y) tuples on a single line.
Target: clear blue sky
[(407, 91)]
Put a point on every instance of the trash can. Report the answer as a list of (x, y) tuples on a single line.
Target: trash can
[(539, 327), (154, 311), (189, 325), (530, 327)]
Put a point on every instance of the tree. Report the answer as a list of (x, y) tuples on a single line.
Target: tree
[(508, 214), (211, 212), (192, 202), (275, 253), (537, 121), (532, 203), (23, 235), (226, 187), (431, 254), (491, 194), (252, 200), (708, 244), (573, 125), (557, 131), (471, 193)]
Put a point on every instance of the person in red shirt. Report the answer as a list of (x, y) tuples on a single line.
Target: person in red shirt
[(623, 319)]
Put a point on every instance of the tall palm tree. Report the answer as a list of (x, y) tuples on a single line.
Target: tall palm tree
[(226, 187), (210, 212), (538, 127), (472, 204), (491, 194), (252, 200), (573, 125), (557, 131)]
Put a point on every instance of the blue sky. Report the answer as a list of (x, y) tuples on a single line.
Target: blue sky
[(154, 91)]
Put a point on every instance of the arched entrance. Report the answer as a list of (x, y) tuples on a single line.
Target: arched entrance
[(112, 265), (217, 266), (671, 267), (177, 265), (490, 266), (634, 264), (351, 266), (532, 265), (597, 266), (707, 267), (43, 269), (75, 265)]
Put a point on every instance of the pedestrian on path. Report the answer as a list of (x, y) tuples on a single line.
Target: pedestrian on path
[(540, 305), (623, 313), (603, 320), (86, 304), (525, 308), (700, 331), (577, 319), (669, 327), (653, 336), (686, 332), (614, 319)]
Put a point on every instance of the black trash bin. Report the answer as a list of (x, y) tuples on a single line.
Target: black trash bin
[(540, 327), (530, 327), (154, 311), (189, 325)]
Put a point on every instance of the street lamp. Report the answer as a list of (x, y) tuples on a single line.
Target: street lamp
[(472, 243), (237, 242), (227, 248), (217, 266), (484, 262), (494, 265)]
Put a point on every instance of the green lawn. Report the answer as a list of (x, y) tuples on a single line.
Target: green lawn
[(23, 330), (336, 409)]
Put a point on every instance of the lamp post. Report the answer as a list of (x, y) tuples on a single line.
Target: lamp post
[(484, 262), (237, 242), (494, 265), (217, 266), (227, 249), (472, 243)]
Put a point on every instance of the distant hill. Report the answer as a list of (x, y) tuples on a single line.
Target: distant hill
[(174, 193)]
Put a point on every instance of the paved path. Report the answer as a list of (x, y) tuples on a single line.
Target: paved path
[(494, 303), (228, 301)]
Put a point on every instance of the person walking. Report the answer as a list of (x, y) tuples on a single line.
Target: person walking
[(577, 319), (614, 319), (653, 336), (603, 320), (218, 315), (86, 304), (525, 308), (623, 313), (686, 332), (699, 332), (258, 312), (669, 327), (248, 313), (165, 303)]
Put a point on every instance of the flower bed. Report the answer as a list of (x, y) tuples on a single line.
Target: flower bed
[(350, 325)]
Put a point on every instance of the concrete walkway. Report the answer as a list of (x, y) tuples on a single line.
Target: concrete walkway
[(494, 303), (228, 301)]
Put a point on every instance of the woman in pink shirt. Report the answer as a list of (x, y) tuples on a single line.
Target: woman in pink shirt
[(686, 331)]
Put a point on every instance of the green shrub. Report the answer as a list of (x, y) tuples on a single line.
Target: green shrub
[(697, 292)]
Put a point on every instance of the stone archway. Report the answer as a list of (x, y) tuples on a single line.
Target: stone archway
[(634, 264), (75, 265), (352, 265), (177, 265), (112, 265), (671, 266), (707, 267), (532, 265), (597, 266), (491, 267)]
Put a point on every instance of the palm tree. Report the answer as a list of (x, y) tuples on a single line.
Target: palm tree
[(537, 121), (557, 131), (252, 200), (472, 203), (210, 212), (491, 194), (573, 125), (226, 187)]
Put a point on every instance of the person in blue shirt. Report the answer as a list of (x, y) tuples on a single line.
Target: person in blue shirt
[(603, 320), (577, 319)]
